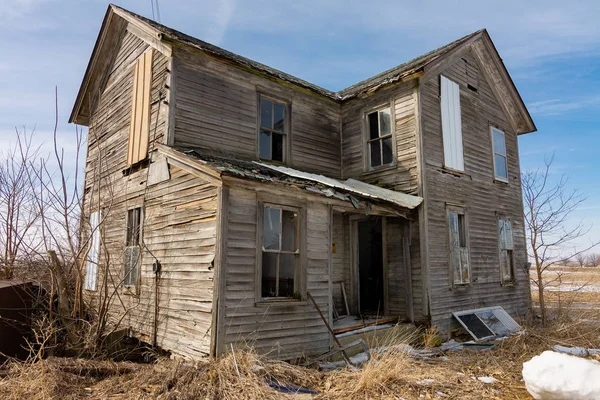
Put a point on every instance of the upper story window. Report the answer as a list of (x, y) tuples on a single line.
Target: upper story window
[(273, 137), (500, 164), (380, 142), (139, 130), (451, 124)]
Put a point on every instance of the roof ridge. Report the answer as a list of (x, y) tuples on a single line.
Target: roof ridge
[(388, 76)]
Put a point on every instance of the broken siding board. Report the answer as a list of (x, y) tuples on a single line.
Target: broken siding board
[(216, 109), (476, 190)]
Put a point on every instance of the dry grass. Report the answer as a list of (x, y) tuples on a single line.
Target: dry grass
[(390, 374)]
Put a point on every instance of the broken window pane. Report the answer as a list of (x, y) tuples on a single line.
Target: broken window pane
[(269, 274), (476, 326), (266, 113), (385, 125), (506, 263), (388, 152), (277, 141), (508, 234), (485, 323), (265, 145), (375, 153), (272, 228), (373, 126), (462, 234), (288, 228), (279, 117), (286, 275)]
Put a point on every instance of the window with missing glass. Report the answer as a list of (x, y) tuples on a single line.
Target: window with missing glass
[(459, 248), (273, 135), (500, 163), (132, 247), (380, 146), (280, 252), (505, 239)]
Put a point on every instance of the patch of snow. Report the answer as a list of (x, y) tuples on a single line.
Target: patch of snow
[(487, 379), (425, 382), (552, 375)]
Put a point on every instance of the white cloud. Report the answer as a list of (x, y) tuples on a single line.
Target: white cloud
[(560, 106)]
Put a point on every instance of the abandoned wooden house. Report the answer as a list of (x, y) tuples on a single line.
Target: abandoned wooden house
[(223, 195)]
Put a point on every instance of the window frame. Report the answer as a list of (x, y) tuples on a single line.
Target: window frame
[(367, 137), (300, 268), (512, 279), (459, 210), (133, 288), (494, 153), (287, 126)]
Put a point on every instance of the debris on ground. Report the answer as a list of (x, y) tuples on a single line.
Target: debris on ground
[(576, 351), (553, 375)]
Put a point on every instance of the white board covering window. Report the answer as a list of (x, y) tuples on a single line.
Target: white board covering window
[(451, 124), (505, 238), (500, 164), (91, 263)]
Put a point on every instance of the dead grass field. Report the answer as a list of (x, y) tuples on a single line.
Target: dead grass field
[(391, 375)]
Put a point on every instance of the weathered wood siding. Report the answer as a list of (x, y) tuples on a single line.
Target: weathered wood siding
[(216, 110), (179, 219), (340, 259), (403, 175), (483, 198), (283, 331)]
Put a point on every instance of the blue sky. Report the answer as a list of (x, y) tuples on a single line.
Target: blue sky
[(551, 48)]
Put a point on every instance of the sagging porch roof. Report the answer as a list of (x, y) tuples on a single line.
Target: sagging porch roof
[(314, 183)]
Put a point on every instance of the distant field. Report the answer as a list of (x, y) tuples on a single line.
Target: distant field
[(571, 290)]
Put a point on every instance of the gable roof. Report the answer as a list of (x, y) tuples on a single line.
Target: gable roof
[(413, 68)]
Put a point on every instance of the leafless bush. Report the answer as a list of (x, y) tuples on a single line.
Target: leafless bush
[(592, 260)]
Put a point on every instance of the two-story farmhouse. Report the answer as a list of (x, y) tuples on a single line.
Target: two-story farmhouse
[(221, 192)]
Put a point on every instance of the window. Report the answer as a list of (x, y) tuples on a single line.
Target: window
[(487, 323), (500, 165), (505, 239), (380, 142), (273, 131), (139, 130), (132, 248), (91, 263), (280, 253), (451, 124), (459, 249)]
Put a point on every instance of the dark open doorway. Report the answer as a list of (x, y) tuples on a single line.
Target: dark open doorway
[(370, 266)]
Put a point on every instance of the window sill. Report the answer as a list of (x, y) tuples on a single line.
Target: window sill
[(280, 303), (130, 290), (501, 181), (380, 168)]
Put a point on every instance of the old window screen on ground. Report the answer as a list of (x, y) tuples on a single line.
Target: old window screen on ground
[(273, 131), (505, 238), (500, 164), (379, 141), (132, 248), (280, 252), (459, 251)]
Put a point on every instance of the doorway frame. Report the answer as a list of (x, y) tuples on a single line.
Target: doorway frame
[(354, 258)]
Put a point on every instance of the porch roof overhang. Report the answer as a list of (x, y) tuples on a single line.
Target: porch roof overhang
[(218, 166)]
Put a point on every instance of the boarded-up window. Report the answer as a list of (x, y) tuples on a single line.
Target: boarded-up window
[(459, 250), (280, 252), (273, 130), (379, 140), (132, 247), (139, 130), (91, 263), (500, 165), (505, 238), (451, 124)]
